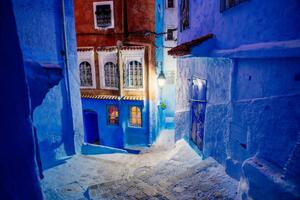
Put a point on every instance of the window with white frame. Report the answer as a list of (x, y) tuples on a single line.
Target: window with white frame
[(104, 14), (169, 3), (134, 75), (86, 67), (133, 68), (111, 75), (108, 70)]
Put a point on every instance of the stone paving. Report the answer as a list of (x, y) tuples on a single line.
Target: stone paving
[(165, 171)]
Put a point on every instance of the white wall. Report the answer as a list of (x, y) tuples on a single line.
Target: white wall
[(170, 63)]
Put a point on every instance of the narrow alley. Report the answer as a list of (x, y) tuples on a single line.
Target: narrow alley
[(165, 171), (150, 100)]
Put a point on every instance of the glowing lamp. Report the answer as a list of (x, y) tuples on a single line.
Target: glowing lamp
[(161, 79)]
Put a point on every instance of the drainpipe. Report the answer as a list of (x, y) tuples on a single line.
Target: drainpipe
[(66, 61)]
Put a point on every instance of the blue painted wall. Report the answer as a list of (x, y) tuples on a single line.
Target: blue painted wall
[(250, 22), (18, 174), (59, 119), (122, 135), (159, 28), (159, 43), (252, 116)]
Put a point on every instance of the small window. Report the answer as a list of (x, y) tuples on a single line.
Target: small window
[(170, 3), (170, 35), (113, 115), (103, 12), (134, 75), (226, 4), (111, 75), (184, 14), (135, 118), (86, 76)]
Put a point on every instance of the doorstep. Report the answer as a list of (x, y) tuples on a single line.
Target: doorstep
[(93, 149)]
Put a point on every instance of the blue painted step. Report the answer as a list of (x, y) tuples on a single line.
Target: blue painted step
[(92, 149)]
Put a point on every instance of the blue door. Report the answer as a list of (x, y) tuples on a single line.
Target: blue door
[(198, 106), (91, 130)]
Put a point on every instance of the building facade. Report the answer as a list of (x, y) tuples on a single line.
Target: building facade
[(170, 63), (116, 60), (238, 89)]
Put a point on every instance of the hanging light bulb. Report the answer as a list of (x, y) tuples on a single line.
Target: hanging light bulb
[(161, 79)]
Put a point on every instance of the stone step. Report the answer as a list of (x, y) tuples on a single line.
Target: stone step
[(93, 149)]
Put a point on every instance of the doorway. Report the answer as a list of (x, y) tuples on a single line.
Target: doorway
[(198, 107), (91, 130)]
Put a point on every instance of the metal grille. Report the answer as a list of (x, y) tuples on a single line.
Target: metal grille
[(103, 16), (111, 75), (86, 79), (134, 75)]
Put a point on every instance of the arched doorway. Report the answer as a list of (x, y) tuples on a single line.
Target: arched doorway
[(91, 130)]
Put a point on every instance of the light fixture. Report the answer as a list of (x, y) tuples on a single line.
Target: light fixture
[(161, 79)]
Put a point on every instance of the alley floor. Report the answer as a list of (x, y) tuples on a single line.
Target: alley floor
[(165, 171)]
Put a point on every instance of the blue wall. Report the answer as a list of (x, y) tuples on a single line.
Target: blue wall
[(250, 22), (18, 174), (252, 120), (252, 117), (59, 119), (122, 135), (159, 28), (159, 43)]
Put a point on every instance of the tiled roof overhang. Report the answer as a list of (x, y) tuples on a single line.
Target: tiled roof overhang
[(111, 97), (124, 48), (133, 98), (83, 49), (104, 97), (186, 48)]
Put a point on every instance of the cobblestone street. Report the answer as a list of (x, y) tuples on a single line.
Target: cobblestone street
[(165, 171)]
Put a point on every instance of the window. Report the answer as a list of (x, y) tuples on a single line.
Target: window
[(170, 3), (111, 75), (226, 4), (86, 67), (170, 35), (103, 15), (184, 14), (86, 79), (135, 118), (112, 115), (134, 75)]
